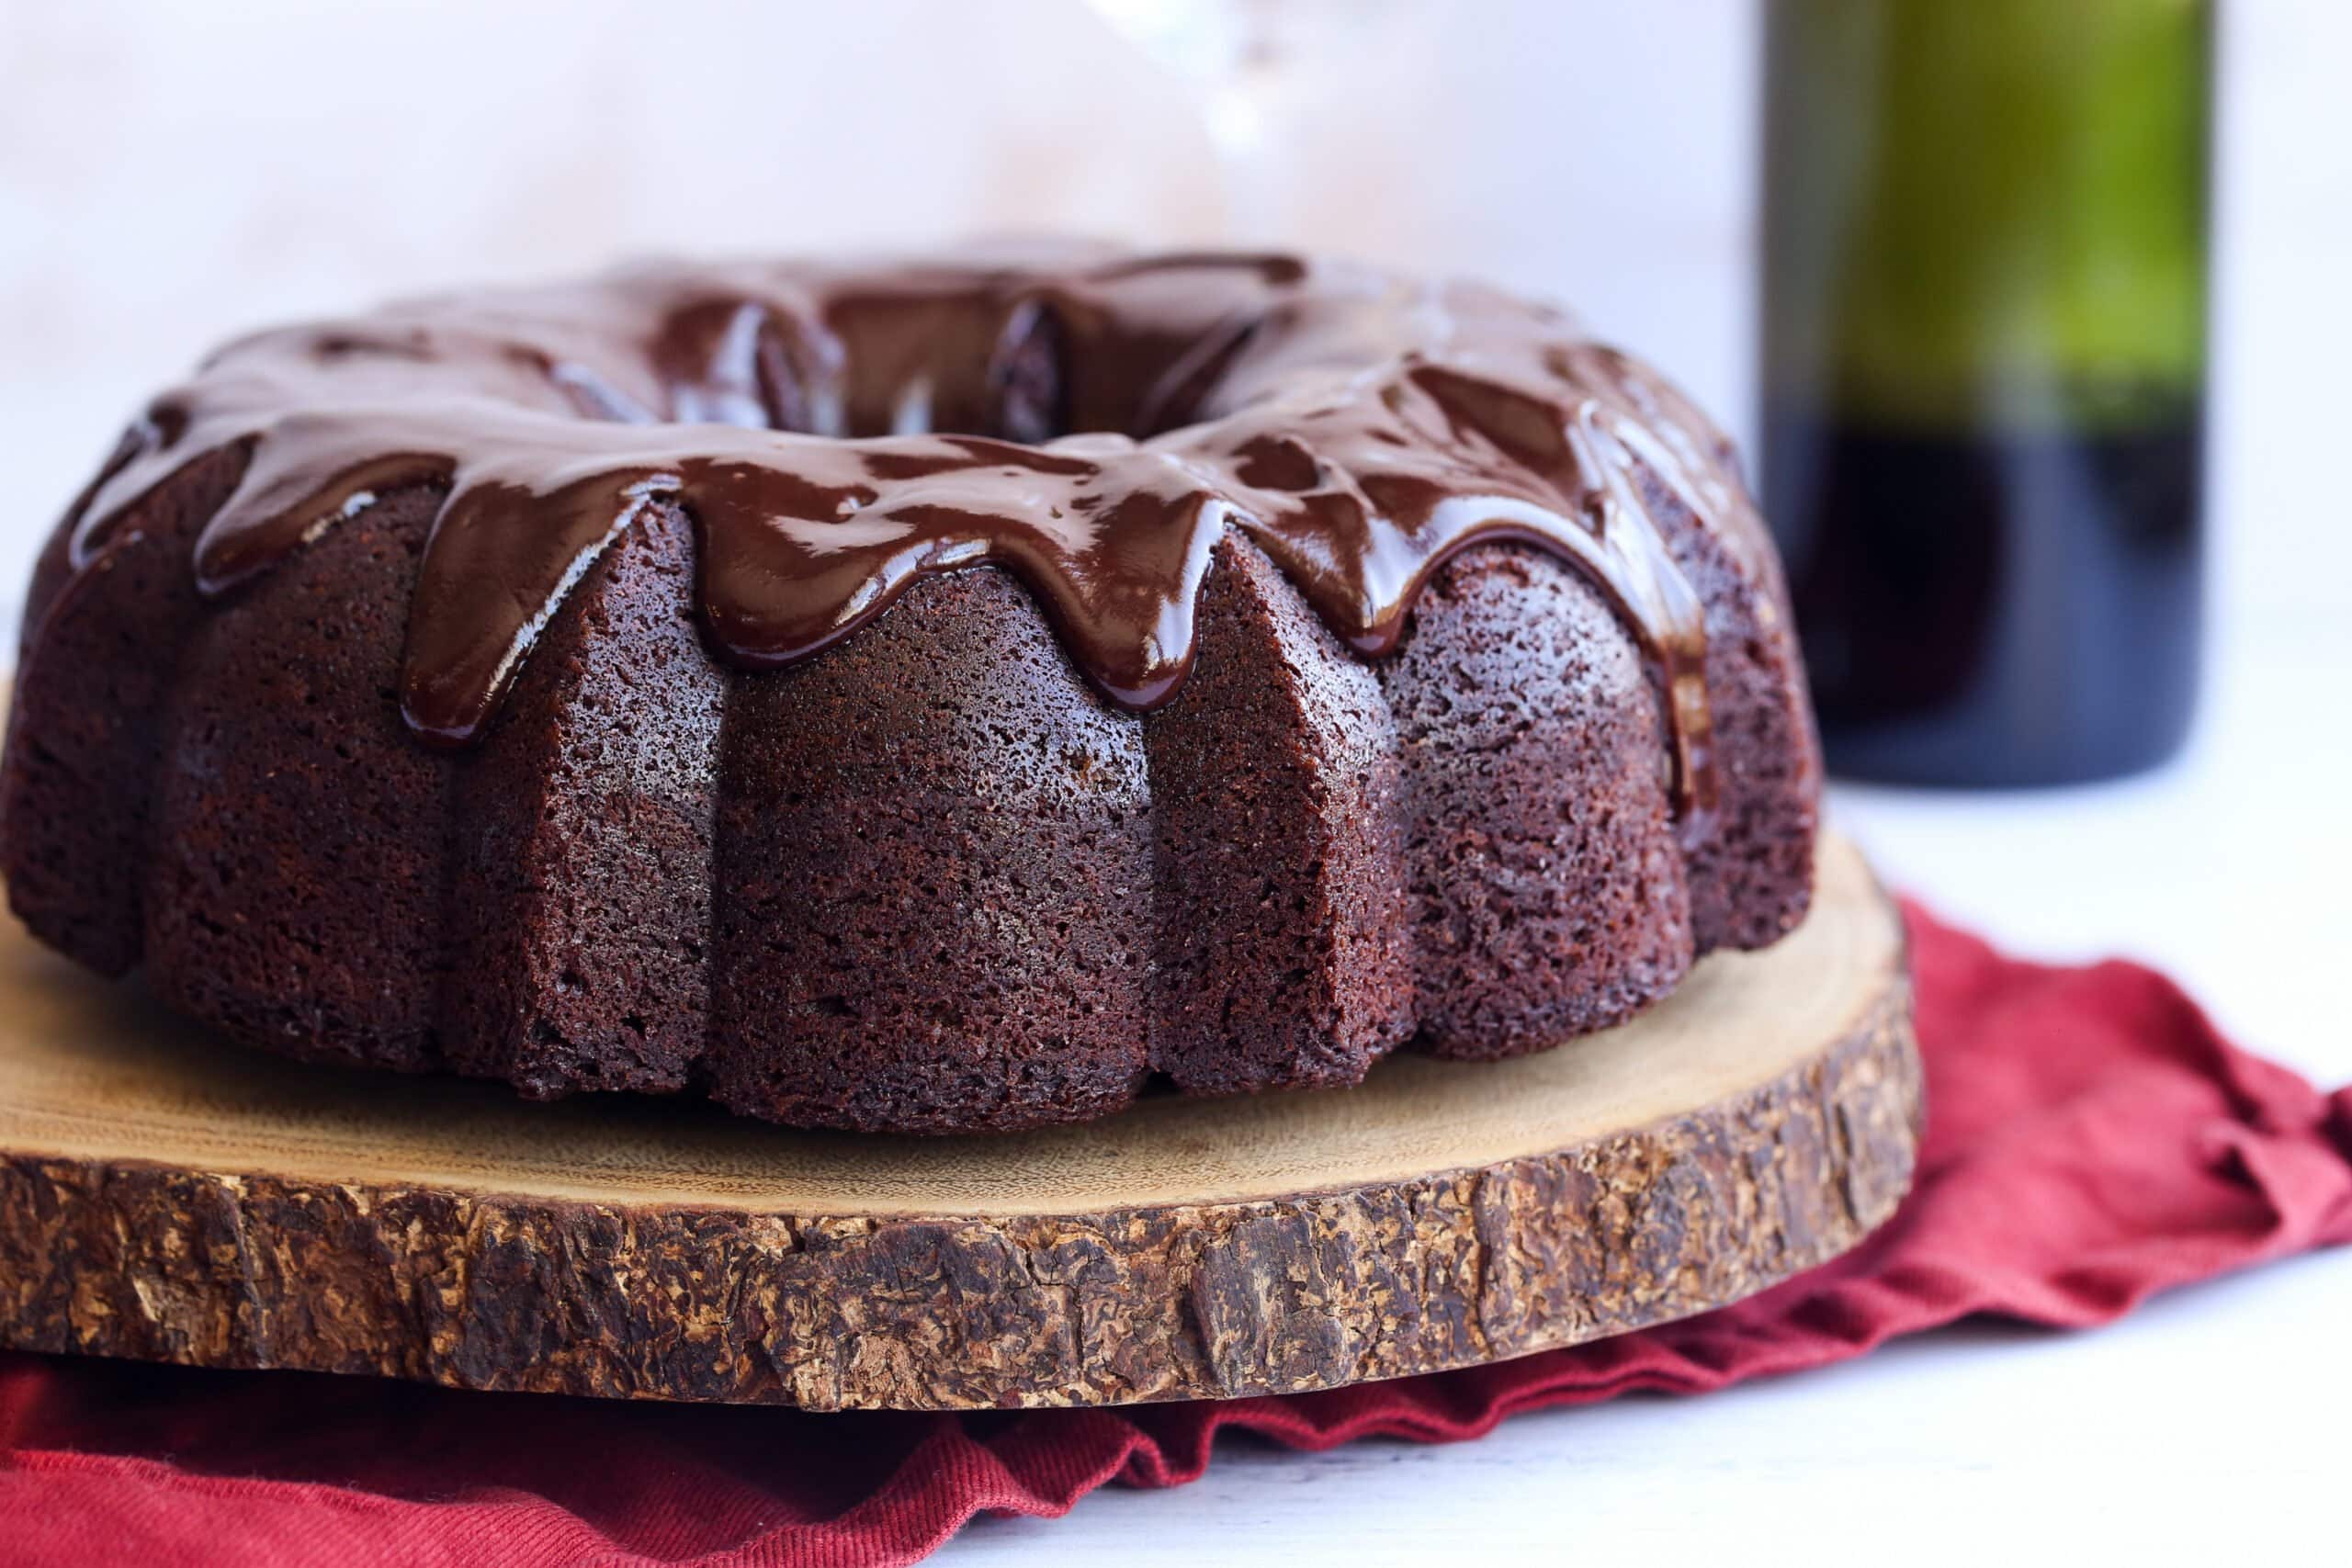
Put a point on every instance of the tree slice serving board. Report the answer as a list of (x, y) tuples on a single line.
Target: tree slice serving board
[(167, 1196)]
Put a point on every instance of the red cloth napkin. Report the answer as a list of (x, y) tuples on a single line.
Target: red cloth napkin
[(2091, 1139)]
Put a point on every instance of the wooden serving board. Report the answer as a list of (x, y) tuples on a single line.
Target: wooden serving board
[(167, 1196)]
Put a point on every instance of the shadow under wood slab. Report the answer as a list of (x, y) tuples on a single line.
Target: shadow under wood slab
[(167, 1197)]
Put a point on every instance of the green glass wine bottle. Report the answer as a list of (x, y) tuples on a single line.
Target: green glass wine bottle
[(1983, 375)]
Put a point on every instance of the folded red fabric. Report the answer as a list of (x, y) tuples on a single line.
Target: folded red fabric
[(2091, 1139)]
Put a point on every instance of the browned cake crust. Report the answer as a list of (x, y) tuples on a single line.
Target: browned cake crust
[(947, 873)]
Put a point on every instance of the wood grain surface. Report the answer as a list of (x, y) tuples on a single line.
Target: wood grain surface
[(165, 1196)]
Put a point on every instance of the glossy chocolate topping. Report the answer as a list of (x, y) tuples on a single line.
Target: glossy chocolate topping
[(1093, 423)]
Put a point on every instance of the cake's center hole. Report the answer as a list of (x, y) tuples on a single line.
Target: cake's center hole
[(941, 367), (896, 364)]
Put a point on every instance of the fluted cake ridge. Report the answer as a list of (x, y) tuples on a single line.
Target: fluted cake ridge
[(1364, 663)]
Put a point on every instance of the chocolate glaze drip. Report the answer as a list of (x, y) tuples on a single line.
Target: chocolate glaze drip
[(1092, 424)]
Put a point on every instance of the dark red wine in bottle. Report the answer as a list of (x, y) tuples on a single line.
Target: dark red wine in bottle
[(1984, 377)]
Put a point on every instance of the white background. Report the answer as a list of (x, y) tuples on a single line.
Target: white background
[(173, 172)]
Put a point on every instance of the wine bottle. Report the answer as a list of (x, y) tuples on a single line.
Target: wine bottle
[(1983, 369)]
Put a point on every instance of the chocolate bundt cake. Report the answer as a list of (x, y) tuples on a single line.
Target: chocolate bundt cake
[(928, 697)]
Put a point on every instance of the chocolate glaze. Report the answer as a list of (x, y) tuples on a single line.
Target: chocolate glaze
[(1091, 422)]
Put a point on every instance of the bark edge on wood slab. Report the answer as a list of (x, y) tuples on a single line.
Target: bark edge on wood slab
[(266, 1260)]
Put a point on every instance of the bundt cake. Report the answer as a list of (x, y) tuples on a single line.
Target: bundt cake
[(915, 696)]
